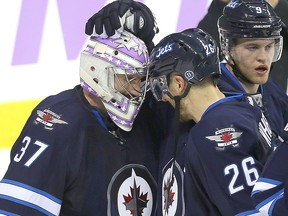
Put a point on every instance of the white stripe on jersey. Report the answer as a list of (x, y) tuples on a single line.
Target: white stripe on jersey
[(286, 127), (20, 194), (250, 213), (266, 208), (263, 184)]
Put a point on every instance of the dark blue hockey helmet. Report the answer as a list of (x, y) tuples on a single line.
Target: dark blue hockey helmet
[(249, 19), (191, 53)]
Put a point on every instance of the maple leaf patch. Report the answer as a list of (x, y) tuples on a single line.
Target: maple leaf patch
[(226, 137)]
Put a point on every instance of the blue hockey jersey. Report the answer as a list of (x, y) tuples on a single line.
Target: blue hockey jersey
[(65, 162), (224, 156), (171, 171), (272, 99), (270, 191)]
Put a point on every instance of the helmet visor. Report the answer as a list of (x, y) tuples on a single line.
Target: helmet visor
[(159, 86), (269, 48)]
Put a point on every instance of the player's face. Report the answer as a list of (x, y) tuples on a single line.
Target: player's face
[(254, 57), (174, 90), (128, 85)]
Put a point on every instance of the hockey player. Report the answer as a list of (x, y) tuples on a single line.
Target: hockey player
[(226, 149), (77, 153), (278, 72), (250, 41)]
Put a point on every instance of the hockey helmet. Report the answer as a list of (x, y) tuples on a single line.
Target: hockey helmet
[(101, 63), (192, 53), (249, 19)]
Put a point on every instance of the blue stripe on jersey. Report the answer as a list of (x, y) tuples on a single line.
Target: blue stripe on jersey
[(8, 213), (29, 196), (270, 202), (249, 213), (230, 75), (263, 184), (236, 81), (226, 99), (271, 181), (43, 193), (98, 116), (26, 204)]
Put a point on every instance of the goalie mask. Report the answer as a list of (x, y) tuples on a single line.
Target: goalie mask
[(105, 63)]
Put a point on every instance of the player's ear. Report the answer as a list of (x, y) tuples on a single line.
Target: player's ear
[(180, 84)]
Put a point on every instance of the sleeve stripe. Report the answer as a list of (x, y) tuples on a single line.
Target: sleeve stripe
[(32, 189), (264, 184), (29, 198), (5, 213), (268, 180), (266, 206), (250, 213)]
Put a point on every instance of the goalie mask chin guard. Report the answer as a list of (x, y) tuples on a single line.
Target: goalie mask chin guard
[(192, 53), (103, 62), (253, 19)]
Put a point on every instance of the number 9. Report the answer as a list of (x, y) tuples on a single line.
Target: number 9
[(258, 10)]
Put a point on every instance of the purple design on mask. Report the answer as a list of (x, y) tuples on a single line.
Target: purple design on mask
[(121, 121), (122, 107), (115, 61), (132, 46)]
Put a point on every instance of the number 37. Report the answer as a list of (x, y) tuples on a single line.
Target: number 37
[(26, 141)]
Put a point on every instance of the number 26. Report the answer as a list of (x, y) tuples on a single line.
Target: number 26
[(251, 175)]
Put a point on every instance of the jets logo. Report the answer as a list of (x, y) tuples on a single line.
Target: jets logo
[(172, 190), (225, 137), (132, 192), (48, 119)]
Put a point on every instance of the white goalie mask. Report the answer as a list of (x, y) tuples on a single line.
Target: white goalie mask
[(104, 62)]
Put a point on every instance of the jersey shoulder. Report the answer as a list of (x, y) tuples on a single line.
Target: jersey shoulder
[(273, 93), (58, 111), (231, 119), (232, 110), (59, 122)]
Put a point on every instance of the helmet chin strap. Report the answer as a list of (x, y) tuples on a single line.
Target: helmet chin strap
[(177, 100), (237, 72)]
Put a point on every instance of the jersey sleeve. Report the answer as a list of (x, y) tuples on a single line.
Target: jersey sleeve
[(270, 191), (36, 176), (276, 101), (222, 155)]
